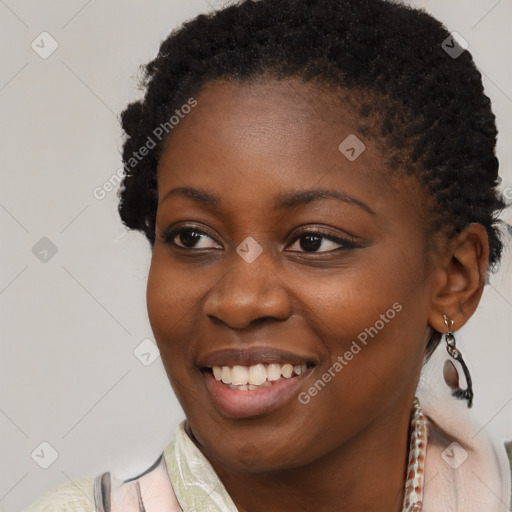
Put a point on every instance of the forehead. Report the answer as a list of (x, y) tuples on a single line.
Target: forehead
[(250, 140)]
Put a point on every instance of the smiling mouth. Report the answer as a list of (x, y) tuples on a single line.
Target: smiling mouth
[(258, 376)]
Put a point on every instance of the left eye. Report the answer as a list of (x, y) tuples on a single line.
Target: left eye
[(312, 241)]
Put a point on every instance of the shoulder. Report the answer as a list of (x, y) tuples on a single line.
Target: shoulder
[(466, 460), (74, 496), (107, 493)]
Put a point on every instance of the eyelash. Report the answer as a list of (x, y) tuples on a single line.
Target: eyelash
[(169, 236)]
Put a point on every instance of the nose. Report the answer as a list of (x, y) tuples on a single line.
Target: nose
[(247, 293)]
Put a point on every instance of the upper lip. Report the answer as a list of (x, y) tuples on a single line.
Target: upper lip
[(252, 355)]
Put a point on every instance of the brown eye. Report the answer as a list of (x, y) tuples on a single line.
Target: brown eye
[(188, 238), (312, 241)]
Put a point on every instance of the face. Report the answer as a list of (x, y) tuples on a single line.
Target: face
[(254, 268)]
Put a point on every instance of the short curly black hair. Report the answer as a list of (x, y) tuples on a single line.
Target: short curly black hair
[(414, 87)]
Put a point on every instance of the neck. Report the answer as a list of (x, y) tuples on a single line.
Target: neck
[(366, 473)]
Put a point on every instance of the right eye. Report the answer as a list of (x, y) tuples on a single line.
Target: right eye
[(188, 238)]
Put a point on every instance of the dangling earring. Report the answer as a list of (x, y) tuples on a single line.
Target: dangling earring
[(450, 373)]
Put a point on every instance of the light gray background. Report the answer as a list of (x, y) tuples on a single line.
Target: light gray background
[(69, 326)]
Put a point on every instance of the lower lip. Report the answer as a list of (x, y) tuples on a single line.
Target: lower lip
[(251, 403)]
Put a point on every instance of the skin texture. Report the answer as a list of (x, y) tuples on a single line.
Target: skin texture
[(247, 143)]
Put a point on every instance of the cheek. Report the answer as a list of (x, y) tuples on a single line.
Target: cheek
[(373, 316), (173, 293), (170, 305), (344, 303)]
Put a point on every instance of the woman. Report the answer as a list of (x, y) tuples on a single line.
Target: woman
[(318, 183)]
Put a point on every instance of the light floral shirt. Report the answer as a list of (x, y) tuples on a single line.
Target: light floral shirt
[(182, 479)]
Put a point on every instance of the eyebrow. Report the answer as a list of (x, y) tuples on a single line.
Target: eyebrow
[(286, 201)]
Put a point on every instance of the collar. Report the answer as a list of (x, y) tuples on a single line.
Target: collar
[(195, 482)]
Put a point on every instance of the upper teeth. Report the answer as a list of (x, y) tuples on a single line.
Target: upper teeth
[(256, 374)]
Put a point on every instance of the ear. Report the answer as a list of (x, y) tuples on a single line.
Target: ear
[(460, 278)]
